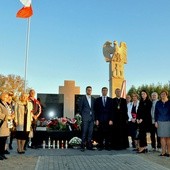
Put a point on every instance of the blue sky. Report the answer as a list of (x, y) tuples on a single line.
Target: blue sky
[(66, 42)]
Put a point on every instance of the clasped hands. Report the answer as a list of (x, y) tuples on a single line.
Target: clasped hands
[(139, 121), (110, 122), (11, 117)]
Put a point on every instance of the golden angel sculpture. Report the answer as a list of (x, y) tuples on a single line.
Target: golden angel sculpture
[(117, 56)]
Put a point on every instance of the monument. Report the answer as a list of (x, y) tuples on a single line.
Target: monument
[(64, 104), (69, 90), (52, 105), (116, 56)]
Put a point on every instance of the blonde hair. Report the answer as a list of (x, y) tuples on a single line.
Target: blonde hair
[(3, 94), (135, 94), (22, 95)]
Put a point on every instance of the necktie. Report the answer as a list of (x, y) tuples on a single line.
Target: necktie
[(104, 101)]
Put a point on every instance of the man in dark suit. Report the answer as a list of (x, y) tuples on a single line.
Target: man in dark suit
[(104, 119), (120, 119), (86, 108)]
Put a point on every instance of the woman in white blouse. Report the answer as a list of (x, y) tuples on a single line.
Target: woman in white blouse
[(132, 111)]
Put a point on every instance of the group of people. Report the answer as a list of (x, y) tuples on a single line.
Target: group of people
[(118, 118), (110, 117), (150, 115), (20, 115), (115, 119)]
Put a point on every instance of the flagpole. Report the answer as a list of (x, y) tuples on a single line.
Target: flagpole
[(27, 51)]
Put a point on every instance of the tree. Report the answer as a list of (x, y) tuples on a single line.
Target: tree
[(150, 88), (132, 90), (11, 83)]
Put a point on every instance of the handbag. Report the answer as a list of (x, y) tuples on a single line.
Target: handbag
[(13, 129), (1, 122)]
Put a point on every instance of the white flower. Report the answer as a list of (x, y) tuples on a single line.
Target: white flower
[(75, 141)]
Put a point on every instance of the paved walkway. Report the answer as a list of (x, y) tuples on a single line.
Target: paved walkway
[(74, 159), (97, 162)]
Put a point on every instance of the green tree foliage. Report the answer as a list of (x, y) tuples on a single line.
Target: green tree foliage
[(11, 83), (133, 89), (150, 88)]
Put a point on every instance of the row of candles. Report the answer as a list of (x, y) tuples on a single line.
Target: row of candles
[(62, 144)]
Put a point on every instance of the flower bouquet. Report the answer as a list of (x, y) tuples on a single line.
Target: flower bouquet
[(53, 124), (62, 123), (74, 123), (75, 142), (65, 124), (78, 119)]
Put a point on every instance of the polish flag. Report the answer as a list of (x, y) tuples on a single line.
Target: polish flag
[(26, 11), (123, 89)]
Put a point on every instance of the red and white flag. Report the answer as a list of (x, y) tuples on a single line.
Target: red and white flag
[(26, 11), (123, 89)]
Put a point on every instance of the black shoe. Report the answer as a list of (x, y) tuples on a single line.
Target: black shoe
[(108, 148), (19, 151), (82, 149), (10, 147), (165, 154), (4, 157), (1, 158), (6, 152), (168, 155), (100, 149), (34, 147), (90, 148), (143, 151)]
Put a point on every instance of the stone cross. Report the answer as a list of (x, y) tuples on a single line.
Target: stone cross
[(69, 90)]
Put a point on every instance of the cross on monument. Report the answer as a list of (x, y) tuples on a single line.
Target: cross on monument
[(69, 90)]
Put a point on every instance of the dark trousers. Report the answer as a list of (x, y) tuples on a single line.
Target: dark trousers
[(34, 140), (87, 132), (12, 136), (155, 140), (142, 135), (2, 145), (104, 133)]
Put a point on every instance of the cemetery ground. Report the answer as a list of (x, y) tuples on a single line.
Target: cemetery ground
[(74, 159)]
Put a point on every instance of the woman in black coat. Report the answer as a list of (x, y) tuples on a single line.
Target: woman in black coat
[(144, 120)]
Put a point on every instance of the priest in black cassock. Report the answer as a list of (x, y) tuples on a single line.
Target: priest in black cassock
[(120, 119)]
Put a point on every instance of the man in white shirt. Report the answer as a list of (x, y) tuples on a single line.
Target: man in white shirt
[(86, 108)]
